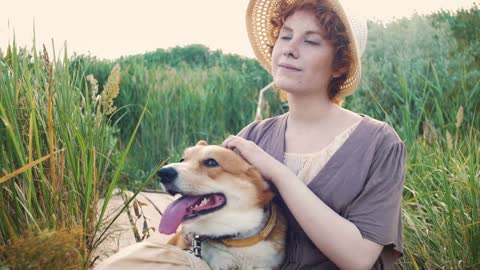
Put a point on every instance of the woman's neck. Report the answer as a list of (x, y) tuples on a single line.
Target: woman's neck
[(306, 111)]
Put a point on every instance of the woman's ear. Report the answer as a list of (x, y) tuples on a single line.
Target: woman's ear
[(336, 74)]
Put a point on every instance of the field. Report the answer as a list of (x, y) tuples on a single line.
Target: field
[(74, 128)]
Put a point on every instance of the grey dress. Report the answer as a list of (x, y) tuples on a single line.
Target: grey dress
[(362, 182)]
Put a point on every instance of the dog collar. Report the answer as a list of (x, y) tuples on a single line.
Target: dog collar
[(250, 241)]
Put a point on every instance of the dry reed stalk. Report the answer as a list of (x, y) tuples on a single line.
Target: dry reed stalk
[(260, 103), (51, 132), (110, 91), (94, 84), (11, 231), (412, 259), (449, 140), (26, 167), (459, 117)]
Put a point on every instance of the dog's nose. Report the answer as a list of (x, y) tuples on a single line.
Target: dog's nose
[(167, 175)]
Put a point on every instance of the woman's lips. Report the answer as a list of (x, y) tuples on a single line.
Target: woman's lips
[(289, 67)]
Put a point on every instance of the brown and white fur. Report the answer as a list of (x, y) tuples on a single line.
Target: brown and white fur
[(211, 169)]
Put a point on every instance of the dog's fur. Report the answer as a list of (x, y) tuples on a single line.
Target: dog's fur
[(248, 198)]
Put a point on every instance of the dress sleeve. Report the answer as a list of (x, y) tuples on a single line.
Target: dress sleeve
[(377, 210), (247, 132)]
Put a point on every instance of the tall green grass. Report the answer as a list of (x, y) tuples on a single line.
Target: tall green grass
[(187, 102), (442, 202), (418, 76), (57, 146)]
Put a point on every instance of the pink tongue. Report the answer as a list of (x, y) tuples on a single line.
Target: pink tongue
[(173, 215)]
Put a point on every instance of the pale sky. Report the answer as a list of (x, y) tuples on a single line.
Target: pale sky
[(112, 28)]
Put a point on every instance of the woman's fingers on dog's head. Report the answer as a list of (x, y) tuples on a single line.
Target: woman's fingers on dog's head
[(225, 142), (230, 142)]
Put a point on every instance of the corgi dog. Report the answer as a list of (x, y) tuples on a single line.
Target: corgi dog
[(227, 203)]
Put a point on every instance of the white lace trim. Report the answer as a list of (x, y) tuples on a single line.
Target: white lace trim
[(307, 165)]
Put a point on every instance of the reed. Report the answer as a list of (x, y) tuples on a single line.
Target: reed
[(57, 145), (64, 143)]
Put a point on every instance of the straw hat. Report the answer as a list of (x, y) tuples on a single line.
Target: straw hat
[(259, 28)]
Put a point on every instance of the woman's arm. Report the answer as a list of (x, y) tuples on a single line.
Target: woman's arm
[(336, 237)]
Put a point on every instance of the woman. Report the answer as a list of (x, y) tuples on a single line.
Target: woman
[(340, 174)]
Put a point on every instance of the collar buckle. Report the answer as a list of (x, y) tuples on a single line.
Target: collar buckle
[(197, 246)]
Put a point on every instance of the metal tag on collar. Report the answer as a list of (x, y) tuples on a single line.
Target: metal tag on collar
[(197, 246)]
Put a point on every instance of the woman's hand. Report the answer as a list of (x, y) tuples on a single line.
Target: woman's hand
[(269, 167)]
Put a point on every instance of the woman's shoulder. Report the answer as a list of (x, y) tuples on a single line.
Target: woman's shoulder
[(260, 127), (385, 147), (381, 131)]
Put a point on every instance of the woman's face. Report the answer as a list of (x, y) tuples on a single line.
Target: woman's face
[(301, 58)]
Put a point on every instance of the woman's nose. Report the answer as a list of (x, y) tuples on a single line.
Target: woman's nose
[(291, 49)]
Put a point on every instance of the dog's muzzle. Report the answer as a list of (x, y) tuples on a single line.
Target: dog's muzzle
[(167, 175)]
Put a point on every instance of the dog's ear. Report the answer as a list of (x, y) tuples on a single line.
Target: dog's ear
[(253, 173), (264, 188), (202, 143)]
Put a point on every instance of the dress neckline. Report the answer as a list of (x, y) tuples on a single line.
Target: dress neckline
[(280, 154)]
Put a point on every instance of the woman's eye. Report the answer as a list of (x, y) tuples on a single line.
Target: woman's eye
[(312, 42), (210, 163), (285, 38), (181, 160)]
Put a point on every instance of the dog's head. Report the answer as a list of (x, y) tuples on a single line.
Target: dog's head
[(221, 193)]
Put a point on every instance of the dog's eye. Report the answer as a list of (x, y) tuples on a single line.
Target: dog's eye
[(210, 163), (181, 160)]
